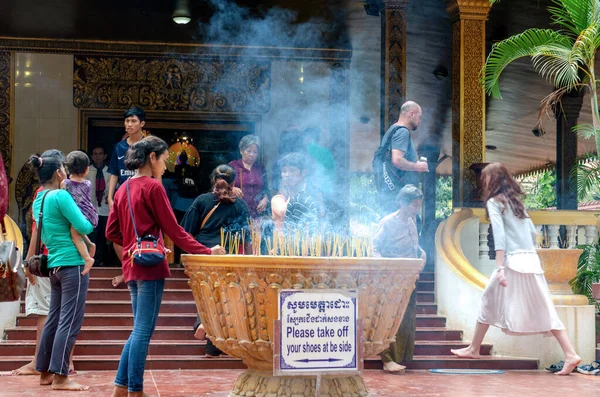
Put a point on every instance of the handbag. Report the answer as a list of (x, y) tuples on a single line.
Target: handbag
[(12, 276), (38, 263), (147, 250)]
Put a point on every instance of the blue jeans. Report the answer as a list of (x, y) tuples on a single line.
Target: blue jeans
[(145, 296), (67, 306)]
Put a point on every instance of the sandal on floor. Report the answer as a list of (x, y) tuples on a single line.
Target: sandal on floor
[(557, 367), (590, 369)]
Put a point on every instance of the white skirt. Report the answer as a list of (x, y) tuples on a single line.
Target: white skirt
[(523, 307)]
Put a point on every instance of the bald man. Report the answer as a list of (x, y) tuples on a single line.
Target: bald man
[(402, 166)]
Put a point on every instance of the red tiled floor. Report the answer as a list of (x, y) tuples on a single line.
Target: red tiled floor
[(217, 383)]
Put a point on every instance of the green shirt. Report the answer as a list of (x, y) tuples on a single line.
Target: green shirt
[(60, 212)]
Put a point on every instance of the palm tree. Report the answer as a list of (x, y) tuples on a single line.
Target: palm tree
[(565, 57)]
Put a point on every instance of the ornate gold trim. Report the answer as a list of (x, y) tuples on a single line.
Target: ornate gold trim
[(448, 245), (552, 217), (167, 50), (468, 9)]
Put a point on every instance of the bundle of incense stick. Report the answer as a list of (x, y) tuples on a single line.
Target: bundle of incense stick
[(298, 243)]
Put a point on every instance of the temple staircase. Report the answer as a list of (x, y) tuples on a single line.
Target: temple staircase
[(108, 322)]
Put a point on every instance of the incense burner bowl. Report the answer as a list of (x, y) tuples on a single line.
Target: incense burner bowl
[(237, 299)]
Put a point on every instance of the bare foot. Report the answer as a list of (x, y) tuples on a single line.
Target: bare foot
[(46, 378), (465, 353), (119, 391), (393, 368), (89, 262), (200, 333), (64, 383), (569, 366), (138, 394), (117, 280), (92, 249), (27, 369)]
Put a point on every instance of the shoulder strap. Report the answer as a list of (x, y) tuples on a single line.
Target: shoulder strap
[(208, 215), (38, 243), (131, 210)]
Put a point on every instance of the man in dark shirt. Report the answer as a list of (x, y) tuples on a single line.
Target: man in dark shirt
[(135, 119), (404, 156)]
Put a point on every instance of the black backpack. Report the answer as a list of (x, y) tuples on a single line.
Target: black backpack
[(388, 178), (187, 186)]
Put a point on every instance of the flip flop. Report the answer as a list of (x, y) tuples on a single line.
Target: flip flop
[(72, 372)]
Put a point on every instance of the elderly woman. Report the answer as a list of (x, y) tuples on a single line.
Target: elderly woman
[(397, 237), (251, 179)]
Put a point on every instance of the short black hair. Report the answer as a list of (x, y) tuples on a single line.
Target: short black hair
[(135, 111), (77, 162), (293, 159)]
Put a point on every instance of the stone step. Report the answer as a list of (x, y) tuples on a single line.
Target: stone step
[(194, 347), (124, 306), (451, 362), (426, 308), (110, 362), (182, 319), (186, 333), (425, 297), (123, 294)]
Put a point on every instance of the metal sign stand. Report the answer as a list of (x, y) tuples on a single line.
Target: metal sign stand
[(318, 391)]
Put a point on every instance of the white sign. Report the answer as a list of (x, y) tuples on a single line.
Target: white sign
[(318, 331)]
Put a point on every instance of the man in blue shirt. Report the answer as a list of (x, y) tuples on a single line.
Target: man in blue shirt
[(135, 119)]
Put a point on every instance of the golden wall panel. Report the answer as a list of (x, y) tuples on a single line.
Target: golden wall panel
[(172, 84)]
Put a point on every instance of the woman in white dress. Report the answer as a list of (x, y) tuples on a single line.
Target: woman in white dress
[(516, 299)]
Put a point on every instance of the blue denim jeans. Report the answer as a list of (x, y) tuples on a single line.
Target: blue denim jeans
[(146, 297), (67, 306)]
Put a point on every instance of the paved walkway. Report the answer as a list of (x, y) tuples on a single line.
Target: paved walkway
[(217, 383)]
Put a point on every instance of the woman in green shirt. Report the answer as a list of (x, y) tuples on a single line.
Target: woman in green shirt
[(68, 280)]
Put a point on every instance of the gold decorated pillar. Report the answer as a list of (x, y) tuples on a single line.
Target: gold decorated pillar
[(468, 97), (393, 60)]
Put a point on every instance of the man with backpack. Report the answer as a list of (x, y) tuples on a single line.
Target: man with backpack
[(395, 162)]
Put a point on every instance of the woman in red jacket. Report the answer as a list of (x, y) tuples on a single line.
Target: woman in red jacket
[(153, 215)]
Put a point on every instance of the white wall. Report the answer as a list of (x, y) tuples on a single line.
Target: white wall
[(45, 117)]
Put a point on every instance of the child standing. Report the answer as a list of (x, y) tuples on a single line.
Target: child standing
[(78, 164)]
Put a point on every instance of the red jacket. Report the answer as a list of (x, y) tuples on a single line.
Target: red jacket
[(153, 215)]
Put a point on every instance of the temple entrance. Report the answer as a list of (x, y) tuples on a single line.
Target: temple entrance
[(208, 139)]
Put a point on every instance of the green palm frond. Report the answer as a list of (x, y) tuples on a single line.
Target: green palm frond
[(586, 131), (587, 176), (533, 42), (557, 65), (574, 15), (586, 44)]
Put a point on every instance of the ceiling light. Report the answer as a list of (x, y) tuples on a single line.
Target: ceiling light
[(182, 15)]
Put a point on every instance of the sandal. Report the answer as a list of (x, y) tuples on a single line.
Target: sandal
[(590, 369), (556, 367)]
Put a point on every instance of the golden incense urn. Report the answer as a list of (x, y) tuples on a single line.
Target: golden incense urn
[(237, 299)]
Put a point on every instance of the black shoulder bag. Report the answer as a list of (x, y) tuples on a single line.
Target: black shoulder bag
[(38, 263)]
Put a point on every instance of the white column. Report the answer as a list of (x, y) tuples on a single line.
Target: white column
[(591, 233), (572, 236), (484, 250), (539, 238), (553, 235)]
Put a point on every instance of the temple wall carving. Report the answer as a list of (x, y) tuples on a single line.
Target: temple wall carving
[(172, 84), (5, 109), (393, 53)]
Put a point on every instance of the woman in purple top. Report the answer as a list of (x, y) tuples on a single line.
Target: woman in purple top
[(78, 164), (251, 180)]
